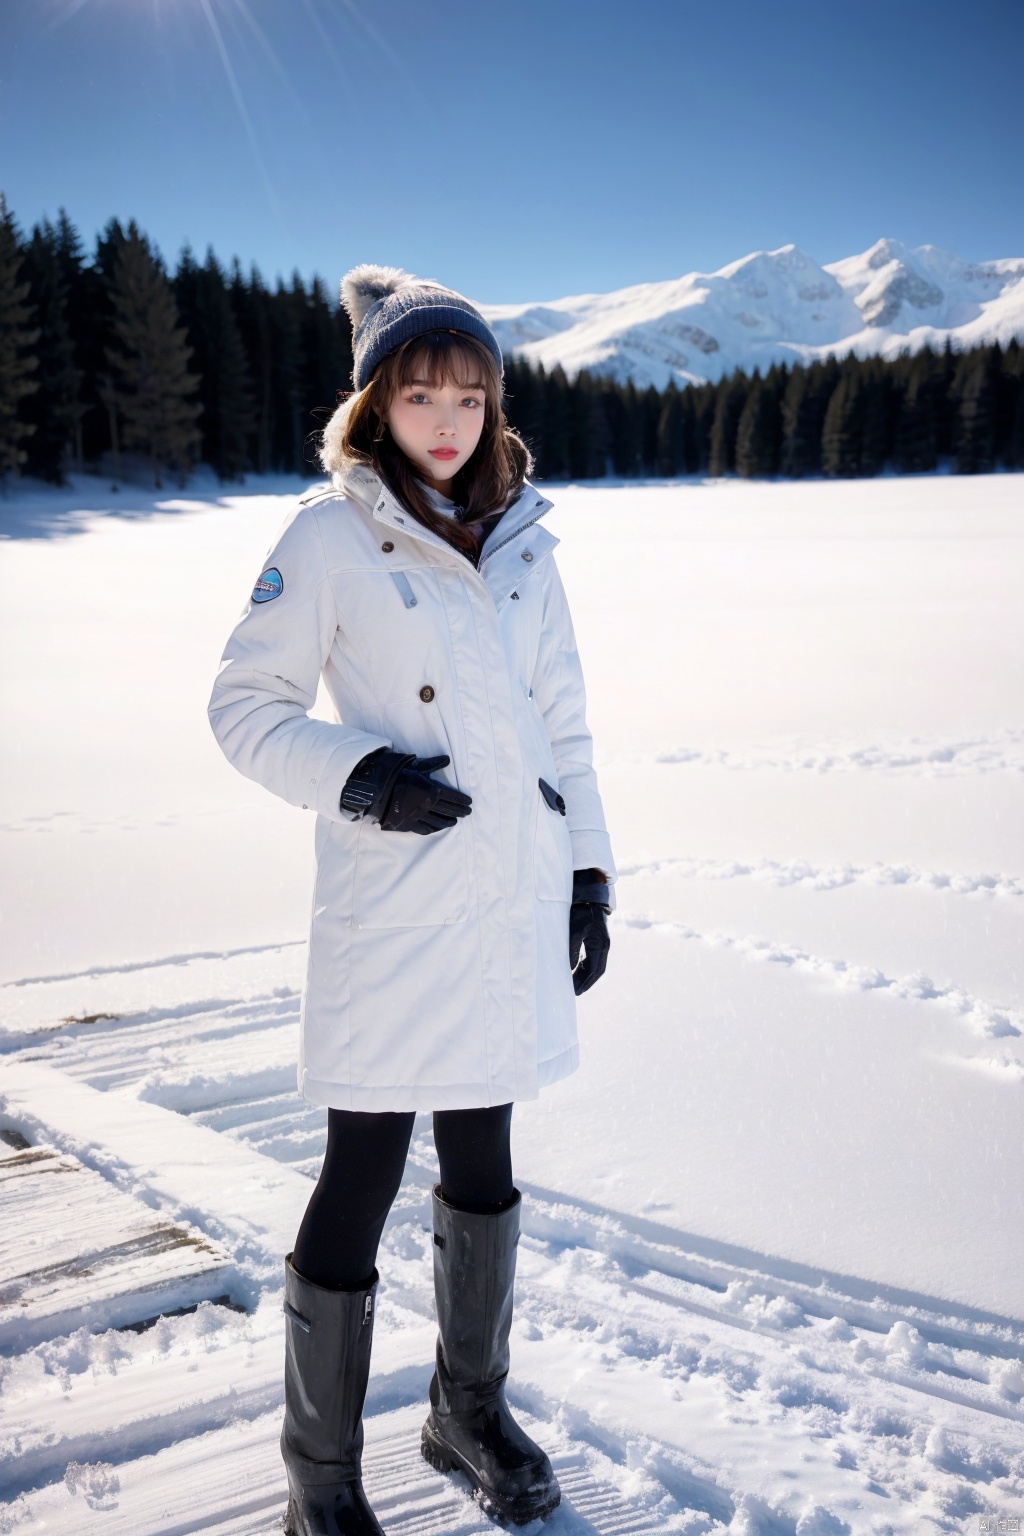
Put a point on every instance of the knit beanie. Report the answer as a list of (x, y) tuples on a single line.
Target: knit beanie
[(388, 307)]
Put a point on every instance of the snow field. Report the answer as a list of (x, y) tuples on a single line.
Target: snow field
[(770, 1271)]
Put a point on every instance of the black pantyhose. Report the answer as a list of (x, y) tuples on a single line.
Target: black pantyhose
[(337, 1241)]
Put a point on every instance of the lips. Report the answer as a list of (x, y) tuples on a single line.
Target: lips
[(443, 453)]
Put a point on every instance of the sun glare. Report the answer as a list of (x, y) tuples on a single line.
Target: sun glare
[(237, 34)]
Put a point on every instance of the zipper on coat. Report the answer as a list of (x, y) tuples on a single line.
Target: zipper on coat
[(502, 542)]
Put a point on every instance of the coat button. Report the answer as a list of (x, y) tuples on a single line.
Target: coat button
[(527, 556), (426, 693), (387, 546)]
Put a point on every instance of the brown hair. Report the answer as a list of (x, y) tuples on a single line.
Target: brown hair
[(358, 434)]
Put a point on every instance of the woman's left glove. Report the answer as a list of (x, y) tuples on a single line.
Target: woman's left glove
[(588, 928)]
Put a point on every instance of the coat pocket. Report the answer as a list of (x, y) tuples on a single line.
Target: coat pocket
[(403, 879), (552, 849)]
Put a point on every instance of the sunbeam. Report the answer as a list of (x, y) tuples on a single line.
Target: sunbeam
[(335, 23), (66, 13), (236, 90), (244, 10), (372, 33)]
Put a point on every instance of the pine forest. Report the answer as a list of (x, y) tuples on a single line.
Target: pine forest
[(114, 364)]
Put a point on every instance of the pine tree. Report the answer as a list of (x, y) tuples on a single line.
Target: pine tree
[(804, 404), (918, 420), (795, 452), (101, 429), (225, 397), (758, 431), (876, 435), (251, 303), (699, 402), (1013, 371), (288, 422), (18, 338), (824, 381), (844, 424), (672, 433), (150, 387), (625, 430), (1007, 386), (587, 427), (650, 410), (55, 409), (86, 309), (556, 425), (524, 404), (615, 414), (976, 390), (945, 372), (731, 397), (326, 361)]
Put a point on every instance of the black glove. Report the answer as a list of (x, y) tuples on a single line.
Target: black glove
[(588, 928), (396, 790)]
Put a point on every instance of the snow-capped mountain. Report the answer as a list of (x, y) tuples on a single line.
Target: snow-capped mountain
[(771, 306)]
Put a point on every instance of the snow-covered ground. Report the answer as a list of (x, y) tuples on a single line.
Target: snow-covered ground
[(772, 1273)]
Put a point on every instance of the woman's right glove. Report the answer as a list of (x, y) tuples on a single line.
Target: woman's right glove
[(396, 790), (588, 928)]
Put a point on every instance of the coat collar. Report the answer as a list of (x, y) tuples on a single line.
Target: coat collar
[(512, 551)]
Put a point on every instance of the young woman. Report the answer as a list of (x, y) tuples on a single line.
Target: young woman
[(463, 870)]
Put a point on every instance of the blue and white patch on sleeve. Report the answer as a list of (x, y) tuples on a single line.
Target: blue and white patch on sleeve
[(269, 586)]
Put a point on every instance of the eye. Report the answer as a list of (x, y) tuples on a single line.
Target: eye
[(471, 400), (417, 398)]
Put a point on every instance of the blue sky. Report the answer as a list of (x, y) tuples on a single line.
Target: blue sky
[(518, 149)]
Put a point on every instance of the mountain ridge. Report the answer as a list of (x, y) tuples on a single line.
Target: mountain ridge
[(770, 307)]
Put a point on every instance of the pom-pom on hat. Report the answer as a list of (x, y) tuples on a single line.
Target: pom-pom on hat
[(388, 307)]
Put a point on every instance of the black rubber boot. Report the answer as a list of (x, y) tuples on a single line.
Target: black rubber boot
[(470, 1426), (326, 1367)]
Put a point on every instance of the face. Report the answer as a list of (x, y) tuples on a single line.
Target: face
[(437, 427)]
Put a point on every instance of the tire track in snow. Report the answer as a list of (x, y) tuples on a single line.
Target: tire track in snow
[(830, 876), (772, 1294), (988, 1020), (230, 1482), (186, 958), (928, 1372)]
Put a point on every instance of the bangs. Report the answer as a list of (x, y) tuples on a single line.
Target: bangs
[(448, 357)]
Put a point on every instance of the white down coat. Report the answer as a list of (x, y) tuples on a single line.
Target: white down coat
[(438, 973)]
